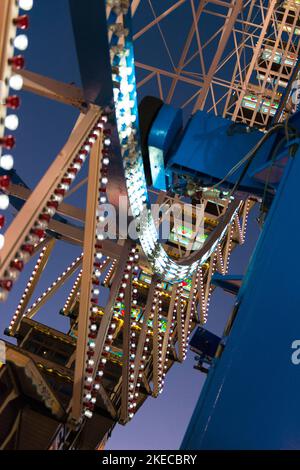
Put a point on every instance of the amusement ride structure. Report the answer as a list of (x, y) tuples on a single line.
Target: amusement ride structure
[(135, 302)]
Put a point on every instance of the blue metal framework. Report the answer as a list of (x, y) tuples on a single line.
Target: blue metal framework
[(250, 399)]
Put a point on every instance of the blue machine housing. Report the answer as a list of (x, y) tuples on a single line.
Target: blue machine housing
[(206, 150), (211, 146), (162, 135), (250, 399)]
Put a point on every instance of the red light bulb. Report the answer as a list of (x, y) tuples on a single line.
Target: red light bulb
[(8, 142), (67, 181), (18, 62), (45, 217), (27, 248), (4, 182), (21, 22), (60, 192), (53, 204), (13, 102), (2, 221), (6, 284), (19, 265), (38, 232)]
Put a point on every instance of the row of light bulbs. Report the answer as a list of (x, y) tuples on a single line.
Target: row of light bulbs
[(74, 288), (193, 310), (136, 384), (54, 284), (94, 371), (16, 315), (95, 367), (12, 81), (132, 394)]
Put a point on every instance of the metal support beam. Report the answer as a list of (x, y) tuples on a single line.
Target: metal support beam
[(185, 51), (179, 315), (256, 53), (189, 309), (31, 312), (35, 277), (67, 231), (143, 331), (169, 323), (107, 402), (54, 90), (134, 6), (155, 361), (227, 31), (157, 20), (87, 276), (125, 358), (25, 219)]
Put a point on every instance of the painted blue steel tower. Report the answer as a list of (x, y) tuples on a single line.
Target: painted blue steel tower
[(251, 396)]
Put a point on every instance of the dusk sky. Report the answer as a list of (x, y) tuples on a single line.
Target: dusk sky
[(44, 127)]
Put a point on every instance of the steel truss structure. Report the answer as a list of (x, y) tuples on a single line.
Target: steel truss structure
[(256, 43), (118, 353)]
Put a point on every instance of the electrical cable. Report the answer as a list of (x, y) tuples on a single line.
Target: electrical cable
[(254, 153), (249, 156)]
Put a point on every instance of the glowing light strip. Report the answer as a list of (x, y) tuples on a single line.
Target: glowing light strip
[(11, 80), (75, 286), (53, 285)]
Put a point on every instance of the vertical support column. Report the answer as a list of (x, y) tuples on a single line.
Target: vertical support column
[(87, 269), (156, 350), (254, 385), (126, 347)]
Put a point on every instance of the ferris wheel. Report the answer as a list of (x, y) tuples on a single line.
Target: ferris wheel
[(134, 302)]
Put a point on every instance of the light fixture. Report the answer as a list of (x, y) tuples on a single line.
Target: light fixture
[(26, 4), (21, 42), (6, 162), (2, 240), (16, 82), (11, 122), (4, 202)]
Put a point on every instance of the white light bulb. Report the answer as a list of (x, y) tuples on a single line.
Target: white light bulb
[(16, 82), (11, 122), (6, 162), (26, 4), (4, 202), (21, 42), (2, 239)]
